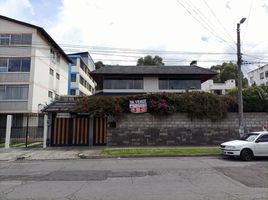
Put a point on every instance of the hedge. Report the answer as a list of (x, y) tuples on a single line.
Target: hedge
[(196, 104)]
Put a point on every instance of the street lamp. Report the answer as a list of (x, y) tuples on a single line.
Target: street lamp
[(240, 97)]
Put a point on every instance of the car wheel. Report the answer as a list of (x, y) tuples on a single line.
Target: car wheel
[(246, 155)]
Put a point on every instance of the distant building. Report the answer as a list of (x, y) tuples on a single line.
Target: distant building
[(122, 80), (259, 76), (33, 70), (218, 88), (80, 81)]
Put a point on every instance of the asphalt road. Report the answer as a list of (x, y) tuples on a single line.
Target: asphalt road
[(191, 178)]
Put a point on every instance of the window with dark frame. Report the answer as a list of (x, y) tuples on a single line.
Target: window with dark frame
[(15, 39), (262, 75), (72, 92), (123, 83), (266, 74), (50, 94), (58, 76), (13, 92), (178, 84), (73, 77), (15, 64), (51, 72)]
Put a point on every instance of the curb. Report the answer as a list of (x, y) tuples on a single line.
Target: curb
[(145, 156)]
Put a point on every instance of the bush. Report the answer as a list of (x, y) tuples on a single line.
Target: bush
[(255, 98), (195, 104)]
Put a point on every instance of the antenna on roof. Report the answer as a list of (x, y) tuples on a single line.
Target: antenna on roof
[(193, 63)]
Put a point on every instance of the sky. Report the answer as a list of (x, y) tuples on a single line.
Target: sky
[(179, 31)]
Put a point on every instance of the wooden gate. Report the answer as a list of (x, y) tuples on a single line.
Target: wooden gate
[(70, 131), (100, 131)]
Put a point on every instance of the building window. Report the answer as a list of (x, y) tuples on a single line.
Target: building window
[(4, 39), (57, 96), (266, 74), (15, 39), (81, 93), (50, 94), (55, 57), (14, 92), (118, 83), (58, 76), (178, 84), (16, 64), (251, 79), (58, 58), (262, 75), (51, 72), (73, 77), (72, 92)]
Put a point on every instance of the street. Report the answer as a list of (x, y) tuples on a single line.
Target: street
[(189, 178)]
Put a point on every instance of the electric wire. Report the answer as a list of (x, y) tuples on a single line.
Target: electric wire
[(204, 26), (223, 27)]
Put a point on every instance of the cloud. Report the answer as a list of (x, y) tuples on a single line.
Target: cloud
[(155, 25), (204, 38), (21, 9), (228, 5)]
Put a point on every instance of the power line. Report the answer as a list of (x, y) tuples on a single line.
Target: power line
[(204, 26), (213, 13), (125, 51)]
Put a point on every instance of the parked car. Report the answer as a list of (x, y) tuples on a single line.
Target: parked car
[(253, 144)]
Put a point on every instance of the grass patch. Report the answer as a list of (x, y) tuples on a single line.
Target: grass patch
[(2, 145), (162, 151)]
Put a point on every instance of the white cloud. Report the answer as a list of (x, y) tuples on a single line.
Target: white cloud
[(16, 8), (158, 25)]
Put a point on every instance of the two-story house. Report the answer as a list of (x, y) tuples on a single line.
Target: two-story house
[(80, 81), (33, 70), (120, 80)]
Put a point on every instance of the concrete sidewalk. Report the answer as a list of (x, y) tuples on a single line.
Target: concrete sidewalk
[(55, 153), (64, 153)]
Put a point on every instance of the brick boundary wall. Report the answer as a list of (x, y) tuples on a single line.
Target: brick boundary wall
[(178, 129)]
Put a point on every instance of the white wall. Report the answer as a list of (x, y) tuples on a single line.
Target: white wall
[(43, 81), (254, 76), (38, 79), (15, 78), (210, 86)]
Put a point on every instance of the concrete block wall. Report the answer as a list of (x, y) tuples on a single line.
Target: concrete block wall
[(178, 129)]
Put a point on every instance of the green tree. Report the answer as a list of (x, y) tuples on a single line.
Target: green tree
[(99, 64), (149, 60), (255, 98), (227, 71)]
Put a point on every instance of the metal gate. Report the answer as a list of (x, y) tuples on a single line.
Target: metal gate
[(70, 131), (100, 131)]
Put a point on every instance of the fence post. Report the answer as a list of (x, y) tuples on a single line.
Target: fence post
[(45, 131), (8, 131), (27, 131)]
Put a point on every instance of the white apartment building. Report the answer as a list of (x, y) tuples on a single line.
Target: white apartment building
[(80, 82), (33, 68), (217, 88), (259, 76)]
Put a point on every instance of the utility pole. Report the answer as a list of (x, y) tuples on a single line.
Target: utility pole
[(240, 95)]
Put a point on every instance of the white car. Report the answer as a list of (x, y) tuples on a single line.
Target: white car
[(253, 144)]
